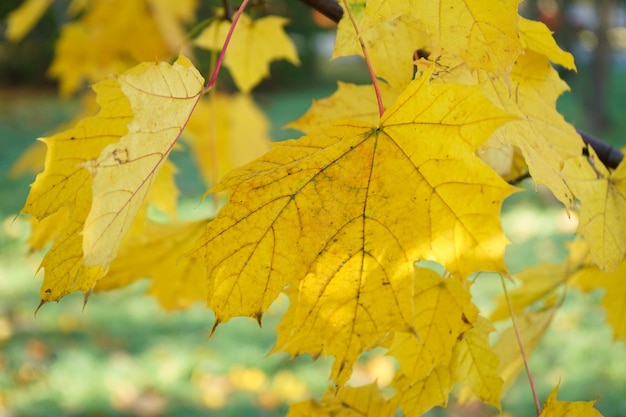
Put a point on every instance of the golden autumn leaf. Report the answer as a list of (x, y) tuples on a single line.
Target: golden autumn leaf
[(111, 36), (323, 214), (21, 20), (347, 401), (157, 253), (602, 195), (391, 44), (65, 184), (357, 102), (614, 299), (420, 395), (254, 44), (443, 310), (225, 132), (483, 34), (475, 363), (555, 408), (162, 98)]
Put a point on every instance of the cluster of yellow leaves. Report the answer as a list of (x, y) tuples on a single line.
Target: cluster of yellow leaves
[(338, 218)]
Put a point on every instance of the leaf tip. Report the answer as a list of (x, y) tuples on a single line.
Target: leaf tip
[(217, 323)]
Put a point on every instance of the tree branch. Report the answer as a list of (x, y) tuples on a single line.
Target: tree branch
[(610, 156)]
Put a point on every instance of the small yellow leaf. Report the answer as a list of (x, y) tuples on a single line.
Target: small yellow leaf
[(419, 396), (443, 310), (603, 207), (254, 44), (555, 408), (157, 253), (475, 364), (537, 37), (21, 20), (531, 325), (614, 300), (363, 401), (226, 132), (162, 98), (109, 38)]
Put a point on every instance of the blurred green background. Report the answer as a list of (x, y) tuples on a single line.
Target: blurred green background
[(124, 356)]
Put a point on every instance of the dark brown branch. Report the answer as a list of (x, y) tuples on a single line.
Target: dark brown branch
[(610, 156), (329, 8)]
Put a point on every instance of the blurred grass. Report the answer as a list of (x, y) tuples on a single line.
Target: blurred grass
[(124, 356)]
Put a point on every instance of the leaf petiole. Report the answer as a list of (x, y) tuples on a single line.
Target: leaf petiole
[(220, 58), (520, 343)]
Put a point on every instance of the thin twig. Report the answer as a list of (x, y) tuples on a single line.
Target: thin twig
[(521, 348)]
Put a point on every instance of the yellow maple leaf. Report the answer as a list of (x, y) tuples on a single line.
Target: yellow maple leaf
[(357, 102), (347, 401), (225, 132), (443, 310), (555, 408), (157, 253), (162, 98), (110, 37), (391, 44), (531, 325), (492, 43), (476, 364), (254, 44), (602, 195), (536, 37), (323, 214), (420, 395), (614, 299), (21, 20), (65, 185)]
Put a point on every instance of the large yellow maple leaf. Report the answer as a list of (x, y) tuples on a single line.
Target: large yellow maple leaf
[(123, 146), (327, 214), (254, 44)]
